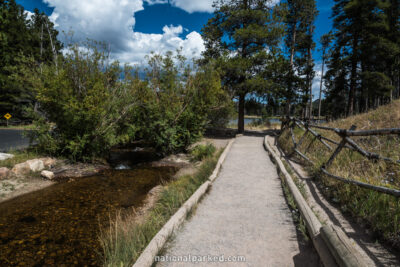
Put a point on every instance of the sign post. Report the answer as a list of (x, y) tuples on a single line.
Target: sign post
[(7, 116)]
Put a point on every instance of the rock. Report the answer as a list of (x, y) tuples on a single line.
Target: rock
[(4, 156), (4, 172), (47, 174), (21, 169), (35, 165), (48, 162)]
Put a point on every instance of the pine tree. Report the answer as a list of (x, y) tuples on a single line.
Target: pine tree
[(238, 35), (43, 38), (22, 42), (325, 43), (14, 42), (362, 63), (300, 27)]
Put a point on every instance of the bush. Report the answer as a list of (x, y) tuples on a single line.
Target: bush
[(82, 101), (200, 152), (178, 103), (89, 105)]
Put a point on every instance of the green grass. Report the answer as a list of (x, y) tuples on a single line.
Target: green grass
[(19, 157), (200, 152), (20, 127), (298, 220), (380, 212), (124, 240), (300, 185)]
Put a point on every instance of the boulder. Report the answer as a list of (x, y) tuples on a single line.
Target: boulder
[(4, 172), (35, 165), (48, 162), (21, 169), (47, 174), (4, 156)]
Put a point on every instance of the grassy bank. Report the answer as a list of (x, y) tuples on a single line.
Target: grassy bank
[(19, 157), (379, 212), (18, 127), (124, 240)]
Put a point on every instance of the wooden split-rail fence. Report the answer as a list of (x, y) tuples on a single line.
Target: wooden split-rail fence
[(345, 142)]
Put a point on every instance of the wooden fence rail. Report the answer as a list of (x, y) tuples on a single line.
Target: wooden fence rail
[(346, 142)]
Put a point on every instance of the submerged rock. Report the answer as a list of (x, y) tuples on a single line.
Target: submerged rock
[(4, 172), (47, 174), (78, 170)]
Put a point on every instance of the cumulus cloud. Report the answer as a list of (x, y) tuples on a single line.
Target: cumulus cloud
[(191, 6), (143, 44), (188, 5), (112, 22), (28, 14), (317, 82)]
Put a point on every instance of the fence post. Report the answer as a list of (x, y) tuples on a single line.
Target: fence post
[(339, 148)]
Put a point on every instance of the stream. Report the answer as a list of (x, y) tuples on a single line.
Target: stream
[(59, 225)]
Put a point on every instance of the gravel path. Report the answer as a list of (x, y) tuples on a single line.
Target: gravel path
[(244, 214)]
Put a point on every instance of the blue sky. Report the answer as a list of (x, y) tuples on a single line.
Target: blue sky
[(134, 28)]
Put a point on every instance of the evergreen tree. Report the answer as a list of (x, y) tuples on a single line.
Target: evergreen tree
[(13, 43), (22, 42), (300, 27), (325, 43), (362, 65), (44, 41), (239, 34)]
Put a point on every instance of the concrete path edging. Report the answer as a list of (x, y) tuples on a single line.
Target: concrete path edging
[(331, 243), (146, 258)]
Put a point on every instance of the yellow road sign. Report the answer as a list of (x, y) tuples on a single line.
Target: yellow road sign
[(7, 116)]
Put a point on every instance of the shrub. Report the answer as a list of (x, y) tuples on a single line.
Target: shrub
[(180, 100), (82, 101), (89, 105)]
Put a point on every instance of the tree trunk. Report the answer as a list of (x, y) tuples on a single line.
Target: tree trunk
[(310, 113), (292, 50), (241, 113), (353, 81), (320, 88)]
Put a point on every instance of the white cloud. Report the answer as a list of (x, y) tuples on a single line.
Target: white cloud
[(28, 14), (194, 5), (317, 82), (112, 22), (187, 5), (142, 44)]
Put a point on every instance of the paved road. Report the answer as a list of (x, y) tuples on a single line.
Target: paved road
[(244, 214), (12, 139)]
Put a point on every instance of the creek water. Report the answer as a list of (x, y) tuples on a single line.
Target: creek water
[(59, 225)]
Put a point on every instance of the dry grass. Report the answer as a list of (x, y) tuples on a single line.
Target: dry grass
[(381, 212)]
